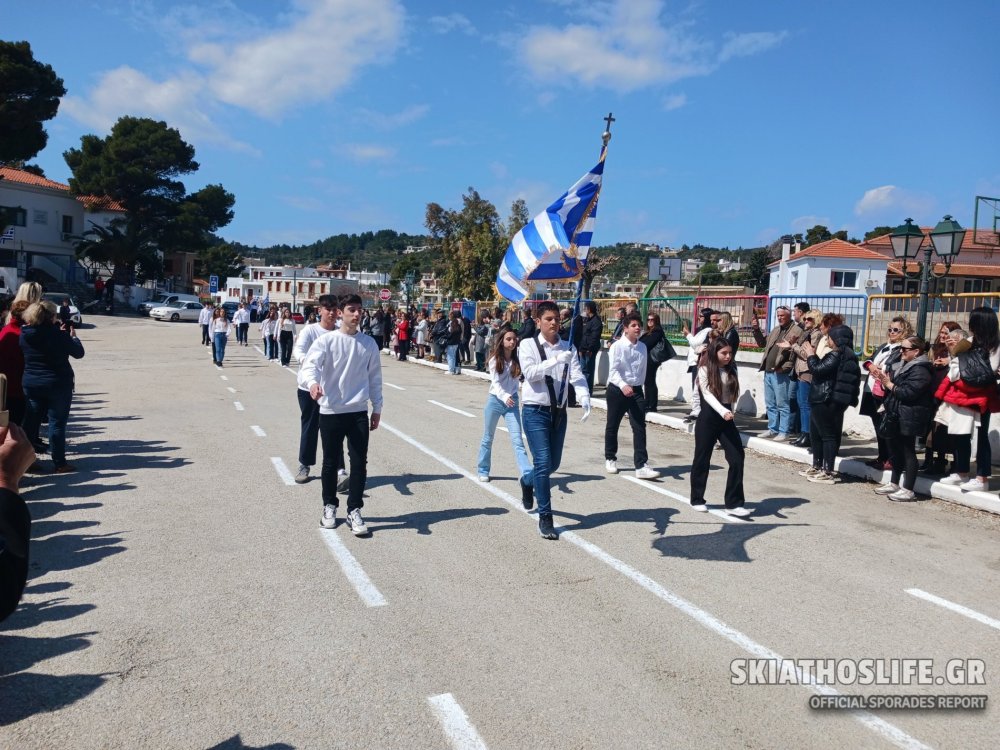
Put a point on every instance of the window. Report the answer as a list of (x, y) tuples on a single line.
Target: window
[(975, 286), (843, 279), (67, 225), (269, 286), (288, 286), (794, 283), (39, 216), (17, 217)]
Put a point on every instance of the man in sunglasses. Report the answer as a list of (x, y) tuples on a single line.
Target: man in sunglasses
[(777, 367)]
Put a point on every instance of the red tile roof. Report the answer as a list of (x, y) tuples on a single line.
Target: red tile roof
[(834, 249), (984, 240), (27, 178), (100, 203)]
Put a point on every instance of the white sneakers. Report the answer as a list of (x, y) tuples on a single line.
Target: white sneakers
[(356, 524), (975, 484), (736, 512), (329, 519), (700, 508), (611, 467), (886, 489), (902, 496), (644, 472), (952, 479), (484, 478)]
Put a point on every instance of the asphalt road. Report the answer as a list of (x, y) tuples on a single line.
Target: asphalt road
[(183, 595)]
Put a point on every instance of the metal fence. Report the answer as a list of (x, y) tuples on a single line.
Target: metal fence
[(941, 308), (743, 309), (674, 314), (852, 307), (608, 310)]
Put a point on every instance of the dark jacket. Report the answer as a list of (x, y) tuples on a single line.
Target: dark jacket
[(439, 331), (527, 330), (837, 376), (15, 531), (651, 339), (590, 341), (47, 349), (576, 325), (455, 332), (912, 396), (732, 336)]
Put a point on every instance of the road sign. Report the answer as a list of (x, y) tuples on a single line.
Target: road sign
[(213, 284), (385, 295)]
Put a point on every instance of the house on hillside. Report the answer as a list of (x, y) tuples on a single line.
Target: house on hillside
[(834, 267)]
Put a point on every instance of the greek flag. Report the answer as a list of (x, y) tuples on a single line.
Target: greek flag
[(554, 245), (8, 235), (267, 302)]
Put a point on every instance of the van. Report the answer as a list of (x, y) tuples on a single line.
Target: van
[(162, 299)]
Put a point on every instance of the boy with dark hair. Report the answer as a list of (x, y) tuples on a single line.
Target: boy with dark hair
[(626, 375), (343, 373), (544, 358)]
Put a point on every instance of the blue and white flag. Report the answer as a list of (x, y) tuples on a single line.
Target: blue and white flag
[(554, 245), (8, 235), (267, 301)]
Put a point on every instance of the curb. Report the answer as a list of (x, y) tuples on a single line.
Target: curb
[(983, 501)]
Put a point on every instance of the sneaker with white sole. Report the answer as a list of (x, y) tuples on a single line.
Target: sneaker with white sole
[(329, 519), (484, 478), (356, 523), (740, 512), (975, 484), (303, 476), (886, 489), (902, 496), (343, 482), (781, 437), (611, 467), (768, 435), (644, 472), (823, 477), (809, 472), (952, 479), (703, 508)]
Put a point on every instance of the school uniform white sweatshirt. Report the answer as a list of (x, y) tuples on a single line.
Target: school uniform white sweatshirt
[(349, 370)]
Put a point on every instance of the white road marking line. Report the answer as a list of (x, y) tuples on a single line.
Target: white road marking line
[(881, 727), (686, 501), (970, 613), (259, 350), (224, 377), (352, 570), (258, 431), (283, 472), (392, 385), (450, 408), (461, 734), (230, 389), (238, 405)]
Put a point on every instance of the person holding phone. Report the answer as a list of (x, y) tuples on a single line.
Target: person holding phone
[(776, 365)]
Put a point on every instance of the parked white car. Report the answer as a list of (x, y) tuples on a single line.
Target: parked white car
[(177, 311), (57, 299)]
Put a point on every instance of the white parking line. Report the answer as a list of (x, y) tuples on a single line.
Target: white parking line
[(970, 613), (259, 350), (258, 431), (238, 405), (224, 377), (890, 732), (283, 472), (461, 734), (230, 389), (393, 385), (352, 569), (450, 408), (686, 501)]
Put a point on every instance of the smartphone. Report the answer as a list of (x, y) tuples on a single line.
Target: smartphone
[(3, 400)]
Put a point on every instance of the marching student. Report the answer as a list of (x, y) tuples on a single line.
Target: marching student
[(269, 333), (219, 328), (286, 335), (241, 320), (502, 401), (626, 375), (720, 386), (543, 358), (204, 320), (344, 373), (308, 407)]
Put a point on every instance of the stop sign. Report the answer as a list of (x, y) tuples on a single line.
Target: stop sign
[(385, 295)]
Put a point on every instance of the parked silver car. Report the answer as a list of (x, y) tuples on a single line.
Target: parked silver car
[(57, 299), (177, 311)]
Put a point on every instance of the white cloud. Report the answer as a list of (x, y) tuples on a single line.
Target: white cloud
[(630, 46), (888, 201), (674, 101), (394, 120), (364, 152), (452, 22)]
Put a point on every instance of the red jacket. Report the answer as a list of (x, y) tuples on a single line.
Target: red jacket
[(958, 393), (403, 330), (12, 358)]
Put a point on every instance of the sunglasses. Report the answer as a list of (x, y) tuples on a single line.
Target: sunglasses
[(907, 348), (895, 330)]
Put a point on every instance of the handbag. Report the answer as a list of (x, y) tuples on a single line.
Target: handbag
[(663, 351), (975, 370)]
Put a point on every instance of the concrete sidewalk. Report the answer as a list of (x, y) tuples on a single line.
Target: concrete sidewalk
[(850, 465)]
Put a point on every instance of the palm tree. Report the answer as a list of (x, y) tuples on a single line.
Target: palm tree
[(121, 248)]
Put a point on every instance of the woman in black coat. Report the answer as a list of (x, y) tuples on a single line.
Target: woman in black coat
[(652, 336), (836, 377), (909, 408)]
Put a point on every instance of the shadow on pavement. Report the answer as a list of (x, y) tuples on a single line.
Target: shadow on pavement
[(27, 693), (773, 506), (422, 521), (563, 483), (402, 483), (236, 743), (725, 544), (658, 517)]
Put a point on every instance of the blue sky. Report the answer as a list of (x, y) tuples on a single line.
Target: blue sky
[(737, 122)]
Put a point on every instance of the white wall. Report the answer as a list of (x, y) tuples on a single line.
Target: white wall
[(814, 276), (37, 237)]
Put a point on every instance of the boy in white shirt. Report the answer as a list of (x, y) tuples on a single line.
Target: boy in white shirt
[(343, 372), (626, 374)]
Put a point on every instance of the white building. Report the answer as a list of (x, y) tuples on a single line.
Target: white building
[(834, 267), (725, 266), (292, 285)]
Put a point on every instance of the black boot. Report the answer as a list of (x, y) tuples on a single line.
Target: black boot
[(527, 495), (545, 527), (804, 441)]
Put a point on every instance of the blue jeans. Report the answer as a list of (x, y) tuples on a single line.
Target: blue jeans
[(776, 396), (453, 358), (587, 362), (802, 394), (495, 409), (54, 401), (219, 347), (546, 445)]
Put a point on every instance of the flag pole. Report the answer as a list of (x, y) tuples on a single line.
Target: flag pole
[(605, 138)]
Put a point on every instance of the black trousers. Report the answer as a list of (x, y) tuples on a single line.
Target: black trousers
[(333, 428), (904, 460), (404, 350), (205, 339), (618, 406), (709, 428), (826, 430), (649, 387), (309, 436), (285, 341)]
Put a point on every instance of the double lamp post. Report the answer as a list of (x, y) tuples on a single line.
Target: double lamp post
[(946, 241)]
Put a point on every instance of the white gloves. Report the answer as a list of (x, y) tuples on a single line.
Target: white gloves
[(564, 358), (585, 405)]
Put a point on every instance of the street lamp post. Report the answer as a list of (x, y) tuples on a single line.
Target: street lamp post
[(408, 283), (946, 241)]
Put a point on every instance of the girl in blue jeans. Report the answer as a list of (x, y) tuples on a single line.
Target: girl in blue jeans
[(505, 372)]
